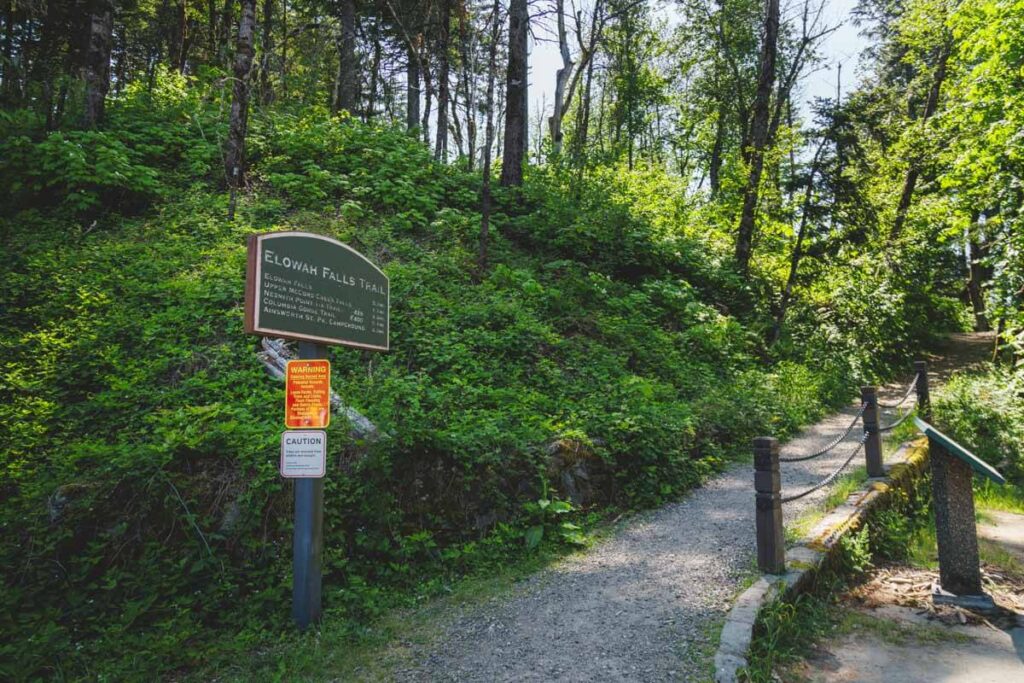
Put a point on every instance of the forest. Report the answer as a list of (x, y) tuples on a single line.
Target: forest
[(597, 299)]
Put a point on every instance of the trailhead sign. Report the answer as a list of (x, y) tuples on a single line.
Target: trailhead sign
[(313, 288), (319, 292)]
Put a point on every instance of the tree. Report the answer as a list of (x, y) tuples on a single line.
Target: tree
[(346, 92), (234, 158), (516, 113), (758, 136), (97, 61)]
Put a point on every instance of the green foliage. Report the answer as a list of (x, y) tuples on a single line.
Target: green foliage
[(986, 413), (144, 519)]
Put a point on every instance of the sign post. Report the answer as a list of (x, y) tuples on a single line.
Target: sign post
[(955, 531), (317, 291), (308, 536)]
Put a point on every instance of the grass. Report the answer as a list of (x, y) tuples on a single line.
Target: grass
[(1006, 498), (798, 529)]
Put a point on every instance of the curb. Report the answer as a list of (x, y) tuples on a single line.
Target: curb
[(806, 558)]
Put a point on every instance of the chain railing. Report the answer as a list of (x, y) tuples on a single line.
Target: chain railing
[(767, 479)]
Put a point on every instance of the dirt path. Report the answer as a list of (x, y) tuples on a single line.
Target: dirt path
[(646, 604)]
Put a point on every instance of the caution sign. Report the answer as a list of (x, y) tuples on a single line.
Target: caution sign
[(303, 454), (307, 403)]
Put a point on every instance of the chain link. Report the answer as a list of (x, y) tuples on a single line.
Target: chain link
[(830, 478), (832, 444), (910, 390)]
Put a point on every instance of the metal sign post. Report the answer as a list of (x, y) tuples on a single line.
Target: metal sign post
[(317, 291), (308, 541)]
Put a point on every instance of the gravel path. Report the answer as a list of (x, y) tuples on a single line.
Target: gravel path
[(644, 605)]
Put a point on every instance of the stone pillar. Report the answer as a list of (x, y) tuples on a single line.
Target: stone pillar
[(959, 571), (873, 445), (771, 549)]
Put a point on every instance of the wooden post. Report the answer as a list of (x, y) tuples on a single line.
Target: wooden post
[(955, 531), (771, 550), (873, 445), (308, 536), (924, 404)]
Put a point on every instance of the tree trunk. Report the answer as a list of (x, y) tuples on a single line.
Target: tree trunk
[(758, 137), (441, 147), (97, 61), (485, 192), (561, 79), (346, 96), (234, 158), (715, 163), (267, 51), (794, 261), (515, 95), (428, 102), (977, 274), (931, 104), (468, 69), (412, 89)]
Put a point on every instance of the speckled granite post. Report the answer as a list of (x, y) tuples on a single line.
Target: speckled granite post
[(771, 549), (957, 536)]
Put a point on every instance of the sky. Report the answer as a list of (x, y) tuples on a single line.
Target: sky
[(840, 47)]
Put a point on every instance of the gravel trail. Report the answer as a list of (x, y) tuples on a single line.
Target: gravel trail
[(645, 604)]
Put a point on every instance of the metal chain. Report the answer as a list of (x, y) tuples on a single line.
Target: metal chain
[(830, 478), (897, 423), (832, 444), (910, 390)]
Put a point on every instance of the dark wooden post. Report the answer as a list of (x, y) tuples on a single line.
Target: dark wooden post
[(771, 551), (308, 538), (873, 445), (924, 404), (955, 531)]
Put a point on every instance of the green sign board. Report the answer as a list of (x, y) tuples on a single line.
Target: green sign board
[(313, 288), (953, 448)]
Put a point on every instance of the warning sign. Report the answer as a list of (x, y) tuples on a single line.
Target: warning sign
[(303, 454), (307, 403)]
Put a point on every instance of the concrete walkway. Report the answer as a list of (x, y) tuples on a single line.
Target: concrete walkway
[(899, 635), (646, 604)]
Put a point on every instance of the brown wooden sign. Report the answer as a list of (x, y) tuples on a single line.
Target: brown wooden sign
[(304, 286)]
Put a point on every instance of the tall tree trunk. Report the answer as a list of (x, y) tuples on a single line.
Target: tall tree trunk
[(485, 191), (798, 248), (977, 274), (45, 67), (515, 95), (428, 102), (412, 88), (758, 137), (224, 36), (347, 74), (467, 84), (234, 158), (97, 61), (715, 163), (266, 53), (561, 79), (910, 182), (441, 146)]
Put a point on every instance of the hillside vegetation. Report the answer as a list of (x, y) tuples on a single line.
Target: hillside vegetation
[(593, 324)]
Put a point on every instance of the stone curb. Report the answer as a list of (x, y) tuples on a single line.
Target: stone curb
[(806, 558)]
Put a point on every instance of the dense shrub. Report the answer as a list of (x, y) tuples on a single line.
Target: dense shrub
[(986, 414), (144, 518)]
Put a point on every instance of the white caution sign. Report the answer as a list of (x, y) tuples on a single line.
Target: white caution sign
[(303, 454)]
